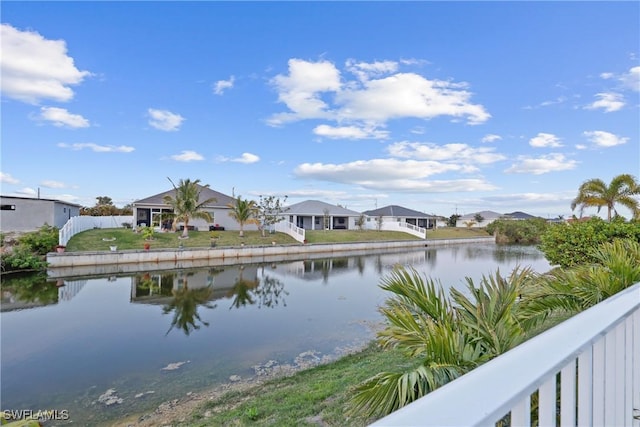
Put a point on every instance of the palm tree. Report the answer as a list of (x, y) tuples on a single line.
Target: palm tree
[(565, 292), (446, 337), (596, 193), (244, 212), (186, 203)]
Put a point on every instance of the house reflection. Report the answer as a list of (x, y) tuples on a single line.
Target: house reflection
[(34, 291)]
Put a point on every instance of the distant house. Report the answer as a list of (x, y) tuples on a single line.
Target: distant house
[(517, 215), (311, 215), (395, 213), (29, 214), (153, 211), (470, 219)]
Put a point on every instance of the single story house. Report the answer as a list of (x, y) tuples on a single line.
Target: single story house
[(25, 214), (153, 211), (395, 213), (470, 220), (518, 215), (317, 215)]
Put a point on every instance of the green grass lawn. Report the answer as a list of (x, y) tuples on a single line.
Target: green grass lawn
[(102, 239)]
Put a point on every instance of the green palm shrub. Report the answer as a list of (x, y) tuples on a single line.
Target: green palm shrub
[(445, 336)]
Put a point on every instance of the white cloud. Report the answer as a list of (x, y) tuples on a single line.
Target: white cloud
[(221, 85), (581, 147), (315, 90), (300, 90), (246, 158), (34, 68), (455, 152), (8, 179), (608, 101), (545, 140), (553, 162), (164, 120), (350, 132), (187, 156), (60, 117), (408, 95), (631, 79), (365, 70), (490, 137), (52, 184), (392, 175), (98, 148), (27, 192), (367, 171), (605, 139)]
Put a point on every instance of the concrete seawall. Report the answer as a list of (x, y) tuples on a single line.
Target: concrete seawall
[(126, 261)]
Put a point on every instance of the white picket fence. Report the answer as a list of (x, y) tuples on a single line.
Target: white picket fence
[(78, 224), (595, 355)]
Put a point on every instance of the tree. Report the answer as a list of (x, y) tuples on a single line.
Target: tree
[(596, 193), (446, 337), (270, 209), (186, 203), (453, 220), (326, 219), (479, 218), (360, 222), (244, 212)]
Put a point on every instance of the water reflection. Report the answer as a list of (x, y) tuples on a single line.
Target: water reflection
[(118, 330)]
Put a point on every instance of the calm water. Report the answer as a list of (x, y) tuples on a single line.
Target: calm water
[(127, 332)]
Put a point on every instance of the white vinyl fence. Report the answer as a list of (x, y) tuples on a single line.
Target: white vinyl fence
[(78, 224), (586, 371), (291, 229)]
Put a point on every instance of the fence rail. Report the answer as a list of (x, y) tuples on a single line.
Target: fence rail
[(593, 359), (292, 230), (78, 224), (404, 227)]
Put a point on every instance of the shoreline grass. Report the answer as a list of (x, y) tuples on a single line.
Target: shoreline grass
[(311, 397)]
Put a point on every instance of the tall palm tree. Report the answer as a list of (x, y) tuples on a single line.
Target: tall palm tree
[(446, 337), (244, 212), (186, 203), (596, 193)]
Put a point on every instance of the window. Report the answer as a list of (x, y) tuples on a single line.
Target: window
[(7, 207), (317, 221)]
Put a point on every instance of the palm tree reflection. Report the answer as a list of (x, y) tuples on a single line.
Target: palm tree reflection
[(242, 290), (271, 292), (185, 304)]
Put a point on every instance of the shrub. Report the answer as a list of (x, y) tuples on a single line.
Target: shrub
[(42, 241), (571, 244), (21, 258), (528, 231)]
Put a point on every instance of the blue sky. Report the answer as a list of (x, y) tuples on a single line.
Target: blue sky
[(441, 107)]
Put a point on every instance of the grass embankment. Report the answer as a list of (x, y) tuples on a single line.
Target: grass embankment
[(102, 239), (313, 397)]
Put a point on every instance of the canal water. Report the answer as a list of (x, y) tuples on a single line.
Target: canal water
[(103, 347)]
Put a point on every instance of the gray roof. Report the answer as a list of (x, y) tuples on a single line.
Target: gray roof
[(519, 215), (485, 214), (222, 200), (42, 199), (395, 210), (316, 207)]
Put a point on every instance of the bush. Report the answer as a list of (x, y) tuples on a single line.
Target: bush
[(528, 231), (21, 258), (571, 244), (42, 241)]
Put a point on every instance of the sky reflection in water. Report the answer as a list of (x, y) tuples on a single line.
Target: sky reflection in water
[(120, 332)]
